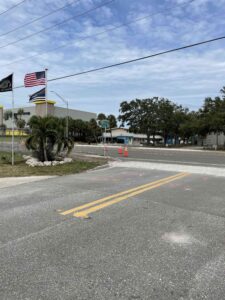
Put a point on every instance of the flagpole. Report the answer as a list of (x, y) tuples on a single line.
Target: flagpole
[(46, 90), (12, 120)]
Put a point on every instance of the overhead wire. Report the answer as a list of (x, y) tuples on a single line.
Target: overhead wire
[(39, 18), (136, 59), (12, 7), (57, 24), (101, 33)]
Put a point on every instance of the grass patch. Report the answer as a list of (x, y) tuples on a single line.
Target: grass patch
[(21, 169), (6, 158)]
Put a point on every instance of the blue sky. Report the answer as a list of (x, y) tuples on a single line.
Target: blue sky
[(185, 77)]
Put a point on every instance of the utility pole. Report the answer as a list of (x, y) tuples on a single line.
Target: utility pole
[(46, 91)]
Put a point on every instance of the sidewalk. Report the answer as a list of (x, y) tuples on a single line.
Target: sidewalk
[(13, 181)]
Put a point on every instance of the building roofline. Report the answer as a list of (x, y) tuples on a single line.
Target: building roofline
[(77, 110), (41, 102)]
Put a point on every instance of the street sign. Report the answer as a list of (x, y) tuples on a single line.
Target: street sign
[(104, 124)]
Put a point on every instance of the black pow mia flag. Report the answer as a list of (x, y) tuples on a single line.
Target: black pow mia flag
[(6, 84)]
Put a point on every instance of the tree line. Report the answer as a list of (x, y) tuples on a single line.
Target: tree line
[(160, 116), (79, 130), (152, 116), (90, 131), (18, 118)]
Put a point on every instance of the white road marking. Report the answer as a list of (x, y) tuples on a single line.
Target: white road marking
[(178, 162), (212, 171)]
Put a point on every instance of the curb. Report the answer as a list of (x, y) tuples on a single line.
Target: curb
[(99, 168)]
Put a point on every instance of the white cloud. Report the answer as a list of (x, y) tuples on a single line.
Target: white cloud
[(185, 77)]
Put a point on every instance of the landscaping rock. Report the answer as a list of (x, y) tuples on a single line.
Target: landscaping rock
[(26, 157), (67, 160), (47, 163), (33, 162)]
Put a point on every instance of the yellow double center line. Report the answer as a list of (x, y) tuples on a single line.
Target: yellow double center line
[(83, 211)]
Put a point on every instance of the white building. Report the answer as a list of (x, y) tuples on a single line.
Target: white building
[(123, 136), (40, 109), (214, 140)]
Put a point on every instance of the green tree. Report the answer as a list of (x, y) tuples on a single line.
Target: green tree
[(190, 127), (7, 115), (94, 129), (47, 137), (166, 118), (20, 123), (3, 129), (101, 117), (140, 116), (180, 116), (212, 117), (112, 121), (63, 142), (222, 91), (80, 128), (20, 112)]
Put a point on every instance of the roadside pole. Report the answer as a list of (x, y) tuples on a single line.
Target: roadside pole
[(104, 125), (12, 121), (46, 90), (46, 100), (67, 120), (105, 143)]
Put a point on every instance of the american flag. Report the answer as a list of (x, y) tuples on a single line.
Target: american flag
[(33, 79)]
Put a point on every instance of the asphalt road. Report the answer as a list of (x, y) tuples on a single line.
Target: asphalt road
[(189, 157), (157, 237)]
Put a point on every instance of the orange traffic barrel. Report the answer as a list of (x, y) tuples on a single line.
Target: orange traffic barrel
[(120, 150), (125, 153)]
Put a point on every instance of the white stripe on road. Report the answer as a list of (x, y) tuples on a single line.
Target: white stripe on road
[(177, 162), (219, 172)]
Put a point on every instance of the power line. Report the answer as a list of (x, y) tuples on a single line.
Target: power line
[(12, 7), (140, 58), (101, 33), (136, 59), (55, 25), (39, 18)]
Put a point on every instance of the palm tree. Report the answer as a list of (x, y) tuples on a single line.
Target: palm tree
[(112, 124), (20, 112), (7, 115), (94, 128), (63, 142), (20, 123), (43, 137), (48, 138)]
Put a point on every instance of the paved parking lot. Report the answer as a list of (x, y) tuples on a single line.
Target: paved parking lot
[(150, 234)]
